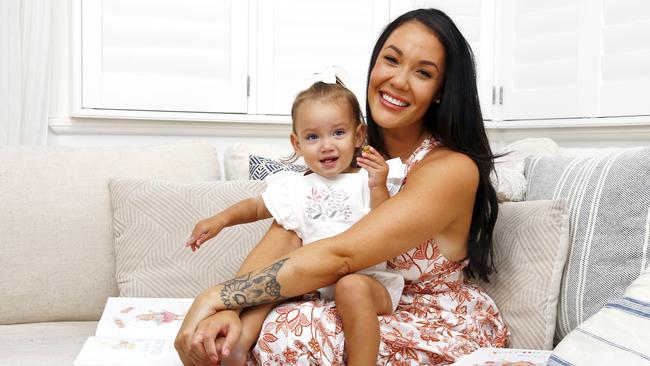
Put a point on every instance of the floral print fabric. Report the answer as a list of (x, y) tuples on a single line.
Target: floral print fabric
[(327, 202), (440, 316)]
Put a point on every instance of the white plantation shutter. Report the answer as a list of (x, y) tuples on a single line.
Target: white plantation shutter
[(475, 20), (554, 59), (297, 38), (574, 58), (539, 64), (165, 55), (625, 58)]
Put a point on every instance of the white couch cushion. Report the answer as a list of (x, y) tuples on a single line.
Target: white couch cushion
[(531, 242), (235, 158), (57, 257), (37, 344), (153, 219), (508, 178)]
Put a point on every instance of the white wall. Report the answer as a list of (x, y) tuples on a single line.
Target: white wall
[(67, 131)]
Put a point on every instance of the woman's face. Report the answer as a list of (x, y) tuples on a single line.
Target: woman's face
[(407, 75)]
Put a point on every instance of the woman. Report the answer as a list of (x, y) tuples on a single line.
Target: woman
[(422, 106)]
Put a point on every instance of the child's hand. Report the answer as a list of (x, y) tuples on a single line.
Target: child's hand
[(375, 164), (204, 230)]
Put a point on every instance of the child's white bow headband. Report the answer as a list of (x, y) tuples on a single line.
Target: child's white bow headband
[(328, 75)]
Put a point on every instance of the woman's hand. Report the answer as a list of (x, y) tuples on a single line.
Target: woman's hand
[(224, 323), (190, 351)]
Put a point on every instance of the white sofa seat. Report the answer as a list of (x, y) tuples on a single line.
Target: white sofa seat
[(56, 343)]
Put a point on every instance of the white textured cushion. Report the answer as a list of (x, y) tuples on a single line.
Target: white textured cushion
[(609, 206), (509, 180), (38, 344), (618, 334), (235, 158), (154, 218), (57, 257), (578, 152), (531, 241)]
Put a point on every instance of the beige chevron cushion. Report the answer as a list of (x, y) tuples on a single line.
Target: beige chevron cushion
[(152, 220), (531, 243)]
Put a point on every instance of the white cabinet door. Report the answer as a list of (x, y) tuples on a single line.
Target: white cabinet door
[(165, 55), (564, 59), (475, 20), (297, 38), (539, 60), (624, 55)]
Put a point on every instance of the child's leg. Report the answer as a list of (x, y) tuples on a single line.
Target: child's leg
[(359, 299)]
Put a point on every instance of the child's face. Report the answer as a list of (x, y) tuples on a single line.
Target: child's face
[(326, 136)]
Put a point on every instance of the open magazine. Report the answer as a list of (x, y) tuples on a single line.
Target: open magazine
[(135, 331), (500, 356)]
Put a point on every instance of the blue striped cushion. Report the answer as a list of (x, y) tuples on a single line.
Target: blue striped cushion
[(609, 225), (619, 334)]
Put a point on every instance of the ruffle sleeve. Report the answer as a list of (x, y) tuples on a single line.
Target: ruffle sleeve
[(280, 199), (396, 174)]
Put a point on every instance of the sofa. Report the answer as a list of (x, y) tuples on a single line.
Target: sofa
[(79, 225)]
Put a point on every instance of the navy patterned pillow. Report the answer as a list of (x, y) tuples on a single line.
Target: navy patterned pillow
[(261, 167)]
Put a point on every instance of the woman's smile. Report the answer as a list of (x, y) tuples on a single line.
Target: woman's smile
[(393, 101)]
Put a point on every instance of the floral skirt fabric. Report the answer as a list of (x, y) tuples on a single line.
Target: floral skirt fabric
[(426, 329)]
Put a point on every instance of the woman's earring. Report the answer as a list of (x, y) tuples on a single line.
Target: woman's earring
[(437, 101)]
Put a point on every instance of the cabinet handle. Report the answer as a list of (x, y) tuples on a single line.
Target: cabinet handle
[(500, 95)]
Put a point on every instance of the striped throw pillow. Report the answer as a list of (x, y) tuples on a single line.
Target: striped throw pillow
[(153, 218), (609, 210), (618, 334)]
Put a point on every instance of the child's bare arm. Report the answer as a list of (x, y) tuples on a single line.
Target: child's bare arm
[(242, 212), (375, 164)]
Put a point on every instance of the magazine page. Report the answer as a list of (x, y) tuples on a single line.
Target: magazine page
[(143, 318), (136, 331), (499, 356), (98, 351)]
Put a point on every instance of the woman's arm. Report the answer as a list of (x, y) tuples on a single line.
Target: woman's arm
[(440, 193), (275, 243)]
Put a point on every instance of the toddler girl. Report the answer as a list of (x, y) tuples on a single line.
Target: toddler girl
[(328, 131)]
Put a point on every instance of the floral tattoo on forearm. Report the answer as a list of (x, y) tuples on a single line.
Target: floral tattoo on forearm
[(253, 288)]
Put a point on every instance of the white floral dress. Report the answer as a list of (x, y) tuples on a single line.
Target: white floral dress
[(317, 207), (439, 318)]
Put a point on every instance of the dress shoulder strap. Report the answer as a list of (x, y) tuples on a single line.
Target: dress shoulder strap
[(427, 145)]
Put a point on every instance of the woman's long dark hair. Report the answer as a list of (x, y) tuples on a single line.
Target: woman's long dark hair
[(457, 123)]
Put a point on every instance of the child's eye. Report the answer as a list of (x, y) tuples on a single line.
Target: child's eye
[(311, 136), (339, 133)]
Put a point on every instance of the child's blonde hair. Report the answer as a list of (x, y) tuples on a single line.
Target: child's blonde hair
[(329, 92)]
